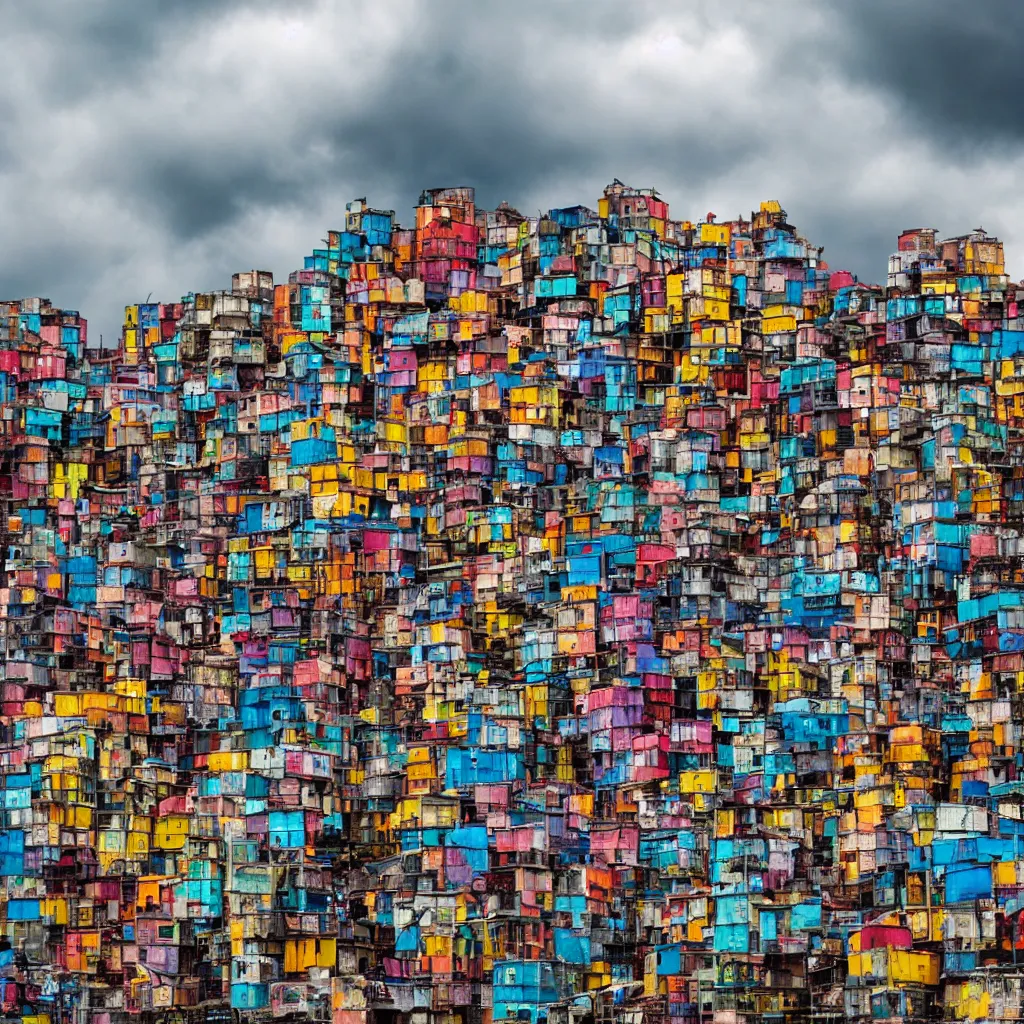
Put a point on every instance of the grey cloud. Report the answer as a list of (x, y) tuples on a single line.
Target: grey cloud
[(480, 112), (89, 46), (197, 196), (445, 108), (951, 71), (165, 171)]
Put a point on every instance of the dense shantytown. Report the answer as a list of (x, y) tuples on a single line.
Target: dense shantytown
[(558, 619)]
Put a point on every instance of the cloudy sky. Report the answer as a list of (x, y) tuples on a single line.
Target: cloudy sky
[(156, 146)]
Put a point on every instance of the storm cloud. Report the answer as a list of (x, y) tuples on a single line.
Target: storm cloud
[(154, 147)]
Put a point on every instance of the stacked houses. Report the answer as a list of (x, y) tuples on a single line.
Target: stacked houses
[(569, 619)]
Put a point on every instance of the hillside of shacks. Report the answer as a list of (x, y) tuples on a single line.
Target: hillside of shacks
[(568, 619)]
